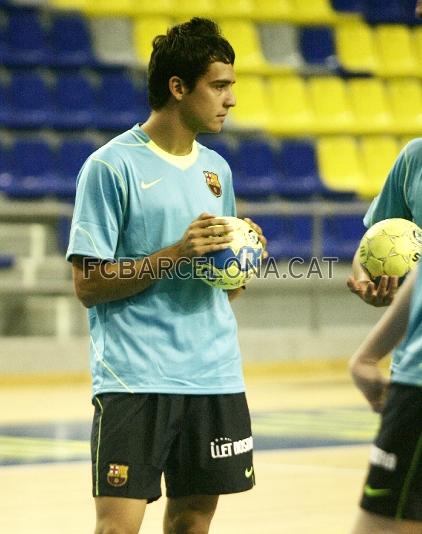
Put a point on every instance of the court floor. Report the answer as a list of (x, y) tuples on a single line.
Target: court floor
[(311, 436)]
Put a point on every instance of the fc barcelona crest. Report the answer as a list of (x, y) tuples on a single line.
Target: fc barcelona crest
[(117, 475), (213, 182)]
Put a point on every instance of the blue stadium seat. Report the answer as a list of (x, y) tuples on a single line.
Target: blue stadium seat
[(6, 261), (389, 11), (354, 6), (299, 170), (31, 165), (29, 102), (71, 41), (257, 174), (341, 235), (317, 47), (75, 102), (120, 105), (26, 42), (71, 155), (288, 237)]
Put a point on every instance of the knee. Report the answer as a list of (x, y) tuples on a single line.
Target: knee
[(189, 523), (113, 527)]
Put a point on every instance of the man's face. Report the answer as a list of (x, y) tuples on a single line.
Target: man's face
[(418, 11), (206, 106)]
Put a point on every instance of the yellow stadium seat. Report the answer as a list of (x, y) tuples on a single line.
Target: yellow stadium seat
[(268, 10), (126, 8), (370, 106), (251, 110), (396, 51), (188, 9), (144, 31), (329, 100), (356, 47), (289, 106), (244, 38), (233, 8), (378, 154), (417, 40), (405, 97), (339, 164), (313, 11), (70, 5)]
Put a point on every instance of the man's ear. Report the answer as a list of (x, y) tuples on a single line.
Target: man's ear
[(177, 88)]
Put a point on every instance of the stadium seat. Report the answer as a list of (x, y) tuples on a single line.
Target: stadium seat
[(71, 155), (396, 52), (405, 97), (6, 261), (378, 154), (356, 48), (288, 236), (268, 10), (243, 36), (113, 40), (370, 106), (317, 47), (299, 173), (234, 8), (290, 112), (71, 5), (26, 43), (331, 105), (144, 31), (251, 110), (348, 6), (341, 236), (313, 12), (111, 8), (280, 44), (417, 42), (339, 164), (30, 102), (75, 102), (32, 168), (119, 103), (187, 9), (258, 176), (382, 11), (71, 41)]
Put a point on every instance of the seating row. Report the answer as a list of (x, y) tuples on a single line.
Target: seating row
[(292, 105), (333, 167), (30, 100)]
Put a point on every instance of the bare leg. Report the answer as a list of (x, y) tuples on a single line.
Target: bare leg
[(117, 515), (367, 523), (190, 515)]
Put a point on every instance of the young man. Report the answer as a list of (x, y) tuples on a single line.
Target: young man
[(392, 495), (167, 380)]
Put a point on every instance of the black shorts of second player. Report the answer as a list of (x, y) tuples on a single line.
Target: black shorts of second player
[(393, 487), (202, 444)]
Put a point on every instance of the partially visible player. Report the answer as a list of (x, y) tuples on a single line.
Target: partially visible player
[(392, 495)]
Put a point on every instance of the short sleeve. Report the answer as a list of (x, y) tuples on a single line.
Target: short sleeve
[(391, 202), (101, 195)]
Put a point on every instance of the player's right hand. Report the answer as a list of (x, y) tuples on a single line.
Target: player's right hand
[(381, 295), (203, 236)]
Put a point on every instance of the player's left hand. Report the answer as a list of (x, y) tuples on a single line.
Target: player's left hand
[(369, 379), (261, 236), (381, 295)]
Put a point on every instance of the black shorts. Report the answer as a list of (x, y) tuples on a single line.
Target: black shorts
[(393, 487), (202, 443)]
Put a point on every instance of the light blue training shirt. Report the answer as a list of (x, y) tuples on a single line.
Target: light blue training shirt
[(408, 369), (401, 197), (180, 335)]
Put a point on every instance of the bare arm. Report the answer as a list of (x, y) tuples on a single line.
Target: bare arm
[(382, 339), (107, 281), (361, 285)]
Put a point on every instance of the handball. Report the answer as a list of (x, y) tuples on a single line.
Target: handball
[(236, 265), (391, 247)]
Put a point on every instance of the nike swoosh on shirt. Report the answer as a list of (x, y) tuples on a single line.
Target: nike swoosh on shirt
[(147, 185), (248, 472), (376, 492)]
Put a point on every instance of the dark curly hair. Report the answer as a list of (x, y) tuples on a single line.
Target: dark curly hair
[(185, 51)]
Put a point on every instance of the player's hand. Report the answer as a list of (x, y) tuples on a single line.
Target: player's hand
[(203, 236), (382, 295), (261, 236), (369, 379)]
